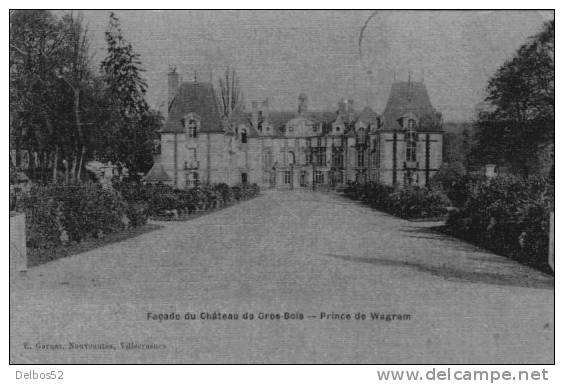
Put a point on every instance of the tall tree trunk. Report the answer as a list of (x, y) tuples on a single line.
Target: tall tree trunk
[(73, 167), (55, 162), (79, 170), (66, 165), (77, 116), (45, 176)]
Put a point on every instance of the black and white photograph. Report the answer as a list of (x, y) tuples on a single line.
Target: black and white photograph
[(282, 187)]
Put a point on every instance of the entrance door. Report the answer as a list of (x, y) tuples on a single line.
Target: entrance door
[(272, 177), (303, 179)]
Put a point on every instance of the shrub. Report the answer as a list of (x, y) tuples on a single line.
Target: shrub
[(409, 202), (418, 202), (138, 213), (43, 226), (225, 192), (161, 199), (509, 215), (237, 192), (80, 211)]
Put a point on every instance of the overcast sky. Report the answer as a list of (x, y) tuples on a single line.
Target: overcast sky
[(279, 54)]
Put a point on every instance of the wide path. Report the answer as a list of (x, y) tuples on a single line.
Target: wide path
[(298, 252)]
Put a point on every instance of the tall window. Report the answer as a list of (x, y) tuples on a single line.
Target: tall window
[(337, 158), (243, 136), (375, 156), (193, 180), (361, 136), (411, 141), (192, 128), (244, 178), (360, 158), (287, 177), (192, 157), (260, 121), (320, 153), (267, 159), (303, 182), (318, 177), (338, 177)]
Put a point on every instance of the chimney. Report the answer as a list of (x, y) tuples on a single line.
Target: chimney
[(254, 114), (342, 109), (172, 83), (265, 109), (302, 104), (350, 106)]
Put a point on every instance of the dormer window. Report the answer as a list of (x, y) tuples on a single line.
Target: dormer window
[(192, 126)]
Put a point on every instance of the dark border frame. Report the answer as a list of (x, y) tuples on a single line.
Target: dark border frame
[(314, 364)]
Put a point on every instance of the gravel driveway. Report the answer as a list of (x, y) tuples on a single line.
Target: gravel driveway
[(324, 262)]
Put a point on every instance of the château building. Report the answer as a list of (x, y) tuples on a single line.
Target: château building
[(301, 149)]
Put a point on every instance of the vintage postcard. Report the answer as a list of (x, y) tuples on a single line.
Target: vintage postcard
[(286, 187)]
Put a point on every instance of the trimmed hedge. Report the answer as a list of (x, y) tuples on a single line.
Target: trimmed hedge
[(410, 202), (163, 200), (58, 214), (508, 215)]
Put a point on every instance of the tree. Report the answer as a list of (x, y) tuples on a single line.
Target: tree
[(36, 54), (130, 127), (77, 75), (230, 96), (61, 113), (521, 120)]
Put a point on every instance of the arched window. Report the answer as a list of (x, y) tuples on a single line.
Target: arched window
[(361, 135), (292, 158), (243, 136), (411, 141)]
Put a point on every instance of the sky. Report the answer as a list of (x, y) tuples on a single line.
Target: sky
[(280, 54)]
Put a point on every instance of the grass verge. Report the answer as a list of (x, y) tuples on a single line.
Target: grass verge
[(38, 256)]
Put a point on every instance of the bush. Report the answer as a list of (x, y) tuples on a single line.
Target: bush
[(43, 225), (138, 213), (508, 215), (409, 202), (225, 193), (79, 211), (163, 199), (418, 202), (457, 188)]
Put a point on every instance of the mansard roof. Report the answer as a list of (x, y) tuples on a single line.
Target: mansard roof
[(368, 116), (278, 119), (240, 117), (157, 174), (410, 97), (198, 98)]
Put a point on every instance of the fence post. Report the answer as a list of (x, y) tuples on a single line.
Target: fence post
[(18, 250), (551, 242)]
